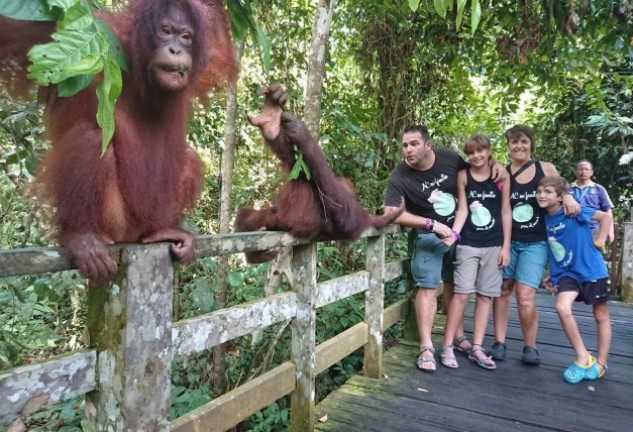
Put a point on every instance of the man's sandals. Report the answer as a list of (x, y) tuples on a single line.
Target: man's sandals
[(426, 363)]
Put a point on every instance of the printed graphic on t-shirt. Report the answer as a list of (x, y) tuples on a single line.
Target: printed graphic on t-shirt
[(558, 250), (443, 202), (479, 215), (522, 212)]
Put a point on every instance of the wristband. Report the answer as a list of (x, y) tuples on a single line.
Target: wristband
[(429, 224), (456, 235), (599, 245)]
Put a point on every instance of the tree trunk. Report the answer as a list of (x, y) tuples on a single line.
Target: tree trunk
[(219, 362), (316, 64)]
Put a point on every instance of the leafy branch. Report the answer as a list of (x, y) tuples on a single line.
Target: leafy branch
[(299, 167), (442, 7), (82, 47)]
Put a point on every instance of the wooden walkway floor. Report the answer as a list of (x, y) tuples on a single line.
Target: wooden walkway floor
[(512, 398)]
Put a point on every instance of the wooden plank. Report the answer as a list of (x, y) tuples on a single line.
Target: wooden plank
[(27, 261), (471, 398), (626, 268), (196, 334), (237, 405), (303, 351), (340, 346), (394, 313), (130, 324), (374, 305), (227, 244), (342, 287), (27, 389), (395, 269)]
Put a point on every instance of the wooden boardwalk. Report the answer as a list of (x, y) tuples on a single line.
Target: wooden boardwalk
[(512, 398)]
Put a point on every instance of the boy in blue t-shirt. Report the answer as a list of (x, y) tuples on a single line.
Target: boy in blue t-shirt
[(577, 272)]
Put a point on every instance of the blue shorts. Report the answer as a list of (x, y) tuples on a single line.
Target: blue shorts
[(432, 261), (527, 263)]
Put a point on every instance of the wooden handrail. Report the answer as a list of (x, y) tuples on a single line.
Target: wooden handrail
[(135, 340)]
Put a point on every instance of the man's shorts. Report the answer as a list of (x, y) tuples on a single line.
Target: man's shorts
[(432, 261), (527, 263), (477, 270), (592, 292)]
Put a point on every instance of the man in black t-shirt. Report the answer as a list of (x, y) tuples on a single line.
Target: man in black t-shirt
[(427, 179)]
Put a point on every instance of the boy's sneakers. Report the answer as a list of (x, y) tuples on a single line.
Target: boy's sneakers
[(530, 356), (498, 351)]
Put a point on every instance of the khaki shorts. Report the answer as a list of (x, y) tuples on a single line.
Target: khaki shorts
[(476, 270)]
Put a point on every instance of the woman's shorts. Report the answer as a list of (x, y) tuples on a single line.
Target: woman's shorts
[(477, 270), (527, 263), (432, 261)]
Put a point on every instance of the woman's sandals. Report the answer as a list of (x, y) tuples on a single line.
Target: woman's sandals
[(427, 360), (448, 360), (485, 362)]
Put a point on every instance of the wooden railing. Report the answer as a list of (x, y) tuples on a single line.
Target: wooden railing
[(126, 372)]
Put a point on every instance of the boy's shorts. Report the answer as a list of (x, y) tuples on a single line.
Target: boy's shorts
[(432, 261), (527, 263), (592, 292), (477, 270)]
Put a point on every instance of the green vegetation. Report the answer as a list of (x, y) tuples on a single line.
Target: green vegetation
[(564, 67)]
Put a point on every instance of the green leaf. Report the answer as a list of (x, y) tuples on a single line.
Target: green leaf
[(74, 85), (89, 65), (56, 61), (296, 169), (264, 46), (413, 5), (33, 10), (31, 164), (475, 16), (64, 4), (107, 92), (461, 4), (78, 17), (235, 279), (240, 21), (440, 8), (114, 45)]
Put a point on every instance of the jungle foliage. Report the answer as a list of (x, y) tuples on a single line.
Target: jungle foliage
[(564, 67)]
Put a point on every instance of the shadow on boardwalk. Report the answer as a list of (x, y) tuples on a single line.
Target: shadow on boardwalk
[(512, 398)]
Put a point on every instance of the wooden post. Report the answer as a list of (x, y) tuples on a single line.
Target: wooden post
[(410, 321), (374, 306), (304, 339), (626, 267), (130, 324)]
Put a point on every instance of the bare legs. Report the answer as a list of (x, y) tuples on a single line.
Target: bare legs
[(425, 308), (528, 315), (455, 320), (603, 322), (564, 303), (449, 293)]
